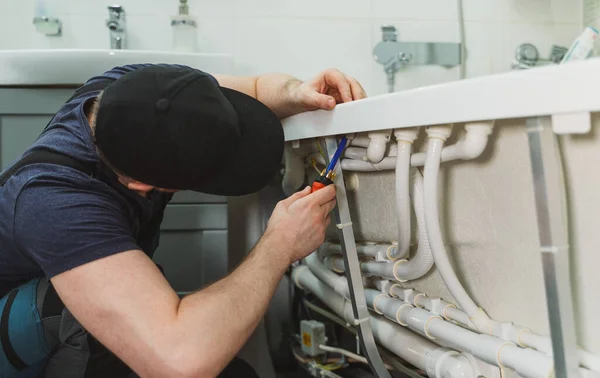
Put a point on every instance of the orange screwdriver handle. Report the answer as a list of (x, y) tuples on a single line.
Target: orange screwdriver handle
[(320, 183)]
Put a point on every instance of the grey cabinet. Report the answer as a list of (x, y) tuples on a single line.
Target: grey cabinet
[(193, 243), (17, 132), (193, 250)]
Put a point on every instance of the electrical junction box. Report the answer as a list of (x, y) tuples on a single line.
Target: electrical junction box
[(312, 334)]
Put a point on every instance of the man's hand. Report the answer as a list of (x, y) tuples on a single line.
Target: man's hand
[(286, 96), (298, 223), (329, 88)]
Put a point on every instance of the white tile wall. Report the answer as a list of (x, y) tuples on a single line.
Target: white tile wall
[(303, 37)]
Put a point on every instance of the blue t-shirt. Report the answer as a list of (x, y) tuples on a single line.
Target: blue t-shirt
[(54, 218)]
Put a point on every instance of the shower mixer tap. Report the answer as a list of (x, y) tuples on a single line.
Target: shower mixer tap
[(116, 25), (394, 55)]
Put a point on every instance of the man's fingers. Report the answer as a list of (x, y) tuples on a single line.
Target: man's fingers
[(328, 207), (324, 195), (337, 80), (296, 196), (358, 92), (321, 101)]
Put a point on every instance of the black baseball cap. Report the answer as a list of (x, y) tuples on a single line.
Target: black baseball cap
[(175, 128)]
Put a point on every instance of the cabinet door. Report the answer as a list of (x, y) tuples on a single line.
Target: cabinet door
[(193, 245), (17, 133)]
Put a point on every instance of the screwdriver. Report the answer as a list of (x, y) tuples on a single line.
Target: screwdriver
[(326, 177)]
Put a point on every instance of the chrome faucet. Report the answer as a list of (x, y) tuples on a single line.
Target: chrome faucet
[(394, 55), (117, 25)]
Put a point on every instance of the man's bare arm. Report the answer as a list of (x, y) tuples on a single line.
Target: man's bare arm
[(126, 303), (286, 95)]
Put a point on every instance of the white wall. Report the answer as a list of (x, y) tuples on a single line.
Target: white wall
[(303, 37)]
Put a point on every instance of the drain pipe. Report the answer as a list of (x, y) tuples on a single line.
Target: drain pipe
[(378, 145), (470, 147), (404, 140), (521, 336), (401, 270), (437, 136), (337, 283), (437, 361), (501, 353), (421, 263), (374, 250)]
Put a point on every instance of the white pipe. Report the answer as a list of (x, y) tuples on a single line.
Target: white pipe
[(470, 147), (518, 335), (293, 176), (355, 153), (422, 262), (334, 263), (473, 144), (438, 362), (402, 270), (404, 141), (492, 350), (374, 250), (365, 166), (360, 141), (379, 269), (378, 145), (403, 211), (338, 283), (437, 136), (305, 279)]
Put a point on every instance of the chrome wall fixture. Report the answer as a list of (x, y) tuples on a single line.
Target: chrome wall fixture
[(393, 55)]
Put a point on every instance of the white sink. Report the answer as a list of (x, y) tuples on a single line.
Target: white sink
[(60, 67)]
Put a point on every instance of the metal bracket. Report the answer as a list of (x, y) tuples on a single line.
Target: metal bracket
[(353, 273), (550, 203)]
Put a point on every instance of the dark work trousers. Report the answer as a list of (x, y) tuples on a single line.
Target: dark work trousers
[(56, 345)]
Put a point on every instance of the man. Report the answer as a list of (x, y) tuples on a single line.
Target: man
[(82, 209)]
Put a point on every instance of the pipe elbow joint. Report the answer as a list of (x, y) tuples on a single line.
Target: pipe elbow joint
[(476, 139), (377, 145), (473, 146)]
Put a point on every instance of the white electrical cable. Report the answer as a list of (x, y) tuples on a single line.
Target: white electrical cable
[(345, 352)]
